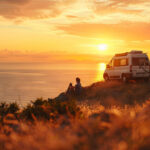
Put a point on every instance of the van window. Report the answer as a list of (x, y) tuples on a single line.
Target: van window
[(116, 62), (120, 62), (124, 62), (140, 61), (110, 63)]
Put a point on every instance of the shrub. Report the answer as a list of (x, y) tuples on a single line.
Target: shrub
[(46, 110)]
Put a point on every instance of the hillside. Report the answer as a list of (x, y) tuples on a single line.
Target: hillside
[(107, 116), (115, 93)]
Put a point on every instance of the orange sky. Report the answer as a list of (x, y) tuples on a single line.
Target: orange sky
[(70, 31)]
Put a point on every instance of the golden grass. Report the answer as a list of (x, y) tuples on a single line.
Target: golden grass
[(85, 125)]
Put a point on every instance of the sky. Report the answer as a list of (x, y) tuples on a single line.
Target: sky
[(70, 31)]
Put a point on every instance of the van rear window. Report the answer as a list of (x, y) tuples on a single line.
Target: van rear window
[(140, 61)]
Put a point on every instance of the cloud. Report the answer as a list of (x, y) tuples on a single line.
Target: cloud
[(72, 17), (50, 57), (121, 31), (14, 1), (119, 2), (33, 9), (113, 6)]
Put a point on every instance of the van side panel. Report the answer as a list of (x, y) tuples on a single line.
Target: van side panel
[(121, 66)]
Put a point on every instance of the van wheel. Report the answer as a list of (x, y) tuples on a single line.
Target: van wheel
[(106, 77), (124, 79), (146, 80)]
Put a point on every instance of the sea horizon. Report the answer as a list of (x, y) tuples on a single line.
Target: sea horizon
[(25, 82)]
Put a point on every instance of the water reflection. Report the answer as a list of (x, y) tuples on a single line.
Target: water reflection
[(100, 71), (102, 66), (26, 84)]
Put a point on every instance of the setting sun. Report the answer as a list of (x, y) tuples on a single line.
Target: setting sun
[(103, 47)]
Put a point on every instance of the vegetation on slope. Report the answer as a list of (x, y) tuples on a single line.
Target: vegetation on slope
[(87, 123), (117, 93)]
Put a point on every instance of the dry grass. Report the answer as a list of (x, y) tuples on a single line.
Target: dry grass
[(92, 126), (116, 93)]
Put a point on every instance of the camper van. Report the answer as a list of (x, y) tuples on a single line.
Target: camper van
[(127, 66)]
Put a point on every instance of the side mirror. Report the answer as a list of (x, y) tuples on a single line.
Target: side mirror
[(108, 66)]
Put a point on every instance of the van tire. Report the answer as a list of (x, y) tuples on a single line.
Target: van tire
[(124, 78), (146, 80), (106, 78)]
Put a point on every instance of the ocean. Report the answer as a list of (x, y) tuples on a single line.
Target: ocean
[(24, 82)]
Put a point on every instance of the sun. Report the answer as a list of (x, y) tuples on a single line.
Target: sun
[(102, 47)]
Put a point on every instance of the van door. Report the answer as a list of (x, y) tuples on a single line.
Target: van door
[(110, 69), (140, 67), (123, 67), (116, 68)]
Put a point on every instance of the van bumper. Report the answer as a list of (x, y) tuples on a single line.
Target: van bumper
[(131, 76)]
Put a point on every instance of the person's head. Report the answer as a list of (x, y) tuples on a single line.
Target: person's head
[(70, 84), (78, 80)]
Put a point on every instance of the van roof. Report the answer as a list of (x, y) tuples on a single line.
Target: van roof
[(131, 52)]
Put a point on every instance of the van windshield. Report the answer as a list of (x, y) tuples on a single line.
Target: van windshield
[(140, 61)]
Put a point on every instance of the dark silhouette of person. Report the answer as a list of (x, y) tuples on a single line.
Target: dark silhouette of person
[(78, 87), (70, 90)]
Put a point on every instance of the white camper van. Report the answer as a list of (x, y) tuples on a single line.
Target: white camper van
[(126, 66)]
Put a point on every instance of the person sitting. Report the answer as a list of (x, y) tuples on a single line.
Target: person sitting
[(78, 87), (70, 90)]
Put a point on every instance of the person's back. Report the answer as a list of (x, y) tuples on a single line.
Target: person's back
[(78, 87)]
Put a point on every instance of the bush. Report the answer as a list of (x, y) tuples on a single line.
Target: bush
[(65, 124), (46, 110), (8, 108)]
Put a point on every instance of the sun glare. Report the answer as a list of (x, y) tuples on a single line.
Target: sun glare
[(102, 66), (103, 47)]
